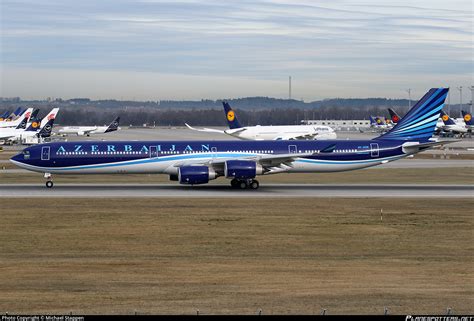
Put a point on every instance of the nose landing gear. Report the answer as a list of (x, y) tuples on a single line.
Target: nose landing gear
[(49, 180)]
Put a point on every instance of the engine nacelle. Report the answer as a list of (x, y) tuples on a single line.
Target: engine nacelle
[(194, 175), (242, 169)]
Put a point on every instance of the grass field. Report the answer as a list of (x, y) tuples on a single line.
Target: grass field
[(236, 256)]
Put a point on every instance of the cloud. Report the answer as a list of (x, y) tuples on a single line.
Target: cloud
[(323, 43)]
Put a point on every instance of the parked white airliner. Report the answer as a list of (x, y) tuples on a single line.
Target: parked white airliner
[(33, 127), (89, 130), (298, 132)]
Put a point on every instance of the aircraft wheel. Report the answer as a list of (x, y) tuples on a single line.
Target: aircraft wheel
[(49, 184), (234, 183), (255, 184), (243, 184)]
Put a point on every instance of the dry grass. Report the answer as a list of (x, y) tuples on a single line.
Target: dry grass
[(236, 256)]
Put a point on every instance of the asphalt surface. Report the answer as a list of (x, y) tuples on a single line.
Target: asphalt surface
[(225, 191)]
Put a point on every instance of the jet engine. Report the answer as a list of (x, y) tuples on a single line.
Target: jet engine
[(242, 169), (194, 175)]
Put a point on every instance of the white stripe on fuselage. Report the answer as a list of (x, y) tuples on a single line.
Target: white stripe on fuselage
[(167, 164)]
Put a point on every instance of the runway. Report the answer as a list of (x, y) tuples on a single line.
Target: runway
[(224, 191)]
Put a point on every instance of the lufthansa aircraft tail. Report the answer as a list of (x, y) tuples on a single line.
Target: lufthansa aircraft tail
[(113, 125), (446, 119), (47, 129), (35, 125), (230, 116), (420, 121), (467, 118), (27, 118)]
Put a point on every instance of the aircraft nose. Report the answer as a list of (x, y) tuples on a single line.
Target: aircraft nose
[(17, 158), (21, 158)]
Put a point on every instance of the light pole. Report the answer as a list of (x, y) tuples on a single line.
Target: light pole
[(449, 102), (409, 98), (460, 99), (472, 98), (289, 87)]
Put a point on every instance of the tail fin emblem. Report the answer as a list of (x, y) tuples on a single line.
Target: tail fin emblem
[(445, 117), (230, 115), (35, 124), (467, 117)]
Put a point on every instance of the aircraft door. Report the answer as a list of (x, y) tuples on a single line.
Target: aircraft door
[(214, 152), (292, 149), (45, 153), (374, 150), (153, 151)]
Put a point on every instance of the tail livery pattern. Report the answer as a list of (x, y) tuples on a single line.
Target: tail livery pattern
[(46, 130), (4, 115), (420, 121), (113, 125), (34, 126), (17, 113), (26, 118), (51, 115), (372, 121), (394, 116), (34, 114), (467, 118), (230, 116), (446, 119)]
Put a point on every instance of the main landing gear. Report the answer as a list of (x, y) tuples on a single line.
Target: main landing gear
[(49, 180), (244, 183)]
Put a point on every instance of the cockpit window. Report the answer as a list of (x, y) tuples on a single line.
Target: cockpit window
[(26, 154)]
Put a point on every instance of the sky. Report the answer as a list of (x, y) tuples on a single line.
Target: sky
[(156, 50)]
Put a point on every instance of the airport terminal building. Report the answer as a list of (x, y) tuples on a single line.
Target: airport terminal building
[(340, 124)]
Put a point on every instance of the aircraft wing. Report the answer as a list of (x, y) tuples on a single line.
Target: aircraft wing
[(235, 130), (7, 136), (208, 130), (271, 163), (87, 131)]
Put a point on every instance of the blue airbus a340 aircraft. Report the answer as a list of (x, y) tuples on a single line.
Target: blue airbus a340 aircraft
[(198, 162)]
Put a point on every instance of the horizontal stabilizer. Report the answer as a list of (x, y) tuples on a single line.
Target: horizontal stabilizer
[(414, 147)]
